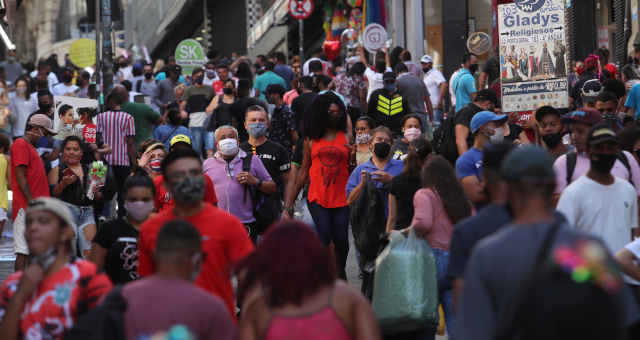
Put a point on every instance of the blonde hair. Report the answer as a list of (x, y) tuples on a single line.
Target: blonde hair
[(159, 66)]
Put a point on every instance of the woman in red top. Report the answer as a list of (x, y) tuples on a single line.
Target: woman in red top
[(325, 164)]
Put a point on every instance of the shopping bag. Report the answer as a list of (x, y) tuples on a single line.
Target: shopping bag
[(405, 291)]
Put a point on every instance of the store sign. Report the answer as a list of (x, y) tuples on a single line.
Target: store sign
[(479, 43), (533, 55), (300, 9), (374, 37), (189, 55)]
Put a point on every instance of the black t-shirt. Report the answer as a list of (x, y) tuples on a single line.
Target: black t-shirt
[(239, 111), (464, 116), (514, 132), (299, 106), (399, 149), (298, 153), (404, 187), (492, 68), (576, 91), (120, 239), (274, 158)]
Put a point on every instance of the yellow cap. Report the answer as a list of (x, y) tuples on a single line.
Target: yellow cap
[(180, 138)]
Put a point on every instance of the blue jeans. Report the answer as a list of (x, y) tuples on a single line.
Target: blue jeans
[(332, 224), (438, 116), (445, 295), (82, 217), (209, 141), (197, 138)]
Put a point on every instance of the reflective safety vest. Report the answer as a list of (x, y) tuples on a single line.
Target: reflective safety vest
[(389, 106)]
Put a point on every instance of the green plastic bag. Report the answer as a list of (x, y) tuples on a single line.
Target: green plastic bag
[(405, 291)]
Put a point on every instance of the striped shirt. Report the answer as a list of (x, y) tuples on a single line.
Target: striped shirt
[(115, 127)]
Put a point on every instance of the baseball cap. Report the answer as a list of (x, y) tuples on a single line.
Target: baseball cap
[(42, 121), (54, 206), (590, 90), (484, 117), (583, 115), (528, 163), (601, 133), (275, 88), (388, 76), (180, 139), (426, 59)]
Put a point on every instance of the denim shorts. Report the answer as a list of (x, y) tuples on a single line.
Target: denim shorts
[(82, 217)]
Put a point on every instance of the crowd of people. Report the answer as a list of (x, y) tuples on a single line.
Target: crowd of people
[(193, 231)]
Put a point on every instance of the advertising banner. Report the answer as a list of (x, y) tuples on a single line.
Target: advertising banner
[(533, 55)]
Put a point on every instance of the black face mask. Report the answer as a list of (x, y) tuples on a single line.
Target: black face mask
[(603, 162), (148, 75), (227, 90), (381, 150), (426, 69), (45, 108), (67, 78), (473, 68), (123, 65), (199, 80), (553, 140)]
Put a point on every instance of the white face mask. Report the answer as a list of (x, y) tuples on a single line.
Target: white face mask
[(363, 138), (498, 135), (228, 146)]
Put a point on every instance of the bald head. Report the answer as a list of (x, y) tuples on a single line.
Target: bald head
[(120, 94)]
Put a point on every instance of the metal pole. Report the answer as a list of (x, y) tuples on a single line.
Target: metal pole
[(301, 34), (107, 47), (98, 65)]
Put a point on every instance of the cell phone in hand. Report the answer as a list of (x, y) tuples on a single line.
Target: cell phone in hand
[(67, 172)]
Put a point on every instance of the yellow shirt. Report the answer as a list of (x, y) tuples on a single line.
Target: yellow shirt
[(4, 195)]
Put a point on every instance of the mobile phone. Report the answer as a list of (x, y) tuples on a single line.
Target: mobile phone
[(68, 172)]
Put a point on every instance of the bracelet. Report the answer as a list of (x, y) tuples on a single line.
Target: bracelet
[(259, 183)]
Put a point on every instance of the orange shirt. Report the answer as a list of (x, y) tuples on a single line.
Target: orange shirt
[(225, 241), (329, 172), (163, 199)]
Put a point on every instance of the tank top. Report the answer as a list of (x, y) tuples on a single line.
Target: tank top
[(222, 115), (329, 172), (4, 195), (76, 192), (321, 325)]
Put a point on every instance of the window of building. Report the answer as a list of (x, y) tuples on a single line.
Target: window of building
[(433, 30)]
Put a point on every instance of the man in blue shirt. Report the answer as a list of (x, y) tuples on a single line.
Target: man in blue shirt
[(486, 127), (282, 69), (266, 79), (464, 84), (381, 167), (633, 102)]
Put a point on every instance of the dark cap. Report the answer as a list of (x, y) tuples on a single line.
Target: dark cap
[(584, 115), (389, 76), (528, 163), (591, 90), (275, 88), (486, 95), (601, 133)]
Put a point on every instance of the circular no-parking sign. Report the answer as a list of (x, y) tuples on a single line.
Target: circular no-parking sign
[(300, 9), (374, 37)]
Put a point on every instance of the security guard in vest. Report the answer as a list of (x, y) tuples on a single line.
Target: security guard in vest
[(386, 105)]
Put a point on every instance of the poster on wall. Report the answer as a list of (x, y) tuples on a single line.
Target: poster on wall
[(533, 55)]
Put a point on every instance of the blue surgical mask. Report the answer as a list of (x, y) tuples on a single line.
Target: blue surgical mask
[(257, 130)]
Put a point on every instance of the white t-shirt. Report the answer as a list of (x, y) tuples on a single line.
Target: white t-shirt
[(51, 78), (375, 80), (432, 81), (634, 248), (452, 93), (64, 90), (606, 211)]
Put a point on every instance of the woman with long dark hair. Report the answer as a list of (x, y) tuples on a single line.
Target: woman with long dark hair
[(325, 165), (438, 206), (404, 186), (289, 290), (219, 111)]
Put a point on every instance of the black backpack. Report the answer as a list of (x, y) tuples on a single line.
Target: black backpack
[(105, 321), (444, 140), (266, 208), (572, 159)]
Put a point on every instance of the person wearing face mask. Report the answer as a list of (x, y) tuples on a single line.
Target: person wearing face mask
[(198, 96), (21, 107), (219, 114), (84, 82), (551, 131), (147, 85), (573, 165), (151, 153), (386, 106), (464, 84), (282, 129), (362, 150), (62, 286), (210, 73), (486, 127), (411, 130), (485, 100), (436, 85), (171, 128), (381, 166), (514, 133), (70, 182), (66, 87), (12, 67), (616, 216), (235, 174), (115, 246), (267, 78), (224, 242), (414, 93), (28, 180), (607, 105), (282, 69)]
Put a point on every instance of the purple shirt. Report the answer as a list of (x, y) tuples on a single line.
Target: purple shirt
[(231, 194), (156, 304)]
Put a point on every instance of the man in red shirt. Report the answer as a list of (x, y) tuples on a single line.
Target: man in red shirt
[(224, 239), (163, 199), (28, 180)]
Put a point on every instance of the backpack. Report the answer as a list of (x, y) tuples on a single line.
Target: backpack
[(368, 222), (444, 140), (572, 159), (104, 322), (266, 208)]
